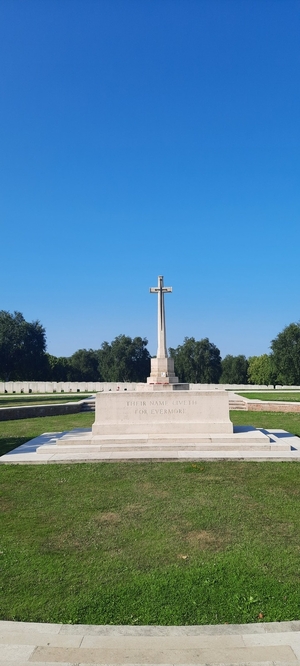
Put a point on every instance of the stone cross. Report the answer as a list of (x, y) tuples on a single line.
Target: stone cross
[(160, 290)]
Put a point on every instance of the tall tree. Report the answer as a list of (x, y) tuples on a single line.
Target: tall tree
[(286, 355), (84, 366), (234, 370), (59, 368), (125, 359), (261, 370), (197, 361), (22, 348)]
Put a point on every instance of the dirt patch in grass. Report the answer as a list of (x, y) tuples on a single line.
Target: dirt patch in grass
[(204, 540), (213, 477), (145, 486), (133, 510), (107, 517), (151, 489), (201, 538), (6, 506), (67, 541)]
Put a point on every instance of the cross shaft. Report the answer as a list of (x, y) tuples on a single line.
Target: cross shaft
[(160, 290)]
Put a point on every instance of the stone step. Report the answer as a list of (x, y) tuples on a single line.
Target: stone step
[(252, 437), (151, 449), (88, 406), (238, 405), (263, 644), (162, 453)]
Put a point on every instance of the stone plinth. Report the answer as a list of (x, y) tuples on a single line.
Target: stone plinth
[(162, 371), (162, 387), (169, 413)]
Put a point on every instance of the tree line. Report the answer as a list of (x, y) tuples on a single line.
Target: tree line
[(23, 357)]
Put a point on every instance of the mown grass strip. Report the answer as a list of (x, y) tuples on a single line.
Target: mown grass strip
[(273, 396), (151, 543)]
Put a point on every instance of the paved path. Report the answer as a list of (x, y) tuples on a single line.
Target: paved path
[(265, 644), (26, 453)]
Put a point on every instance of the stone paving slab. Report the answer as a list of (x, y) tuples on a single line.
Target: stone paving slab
[(241, 663), (158, 655), (260, 644), (170, 642)]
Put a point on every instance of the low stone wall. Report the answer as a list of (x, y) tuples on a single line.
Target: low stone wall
[(264, 406), (32, 411)]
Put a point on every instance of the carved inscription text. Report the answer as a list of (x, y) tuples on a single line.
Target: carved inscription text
[(160, 406)]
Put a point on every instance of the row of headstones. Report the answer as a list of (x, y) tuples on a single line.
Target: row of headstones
[(63, 387), (93, 387)]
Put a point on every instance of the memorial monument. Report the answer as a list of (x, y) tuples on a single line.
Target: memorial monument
[(143, 424), (162, 367)]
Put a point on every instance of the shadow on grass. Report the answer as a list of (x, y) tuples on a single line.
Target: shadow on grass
[(9, 443)]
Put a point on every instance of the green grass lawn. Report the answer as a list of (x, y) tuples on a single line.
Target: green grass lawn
[(274, 395), (151, 543), (20, 399), (14, 433), (289, 421)]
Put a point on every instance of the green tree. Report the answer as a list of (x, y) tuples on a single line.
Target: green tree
[(84, 366), (59, 368), (22, 348), (197, 361), (286, 355), (234, 370), (124, 360), (261, 370)]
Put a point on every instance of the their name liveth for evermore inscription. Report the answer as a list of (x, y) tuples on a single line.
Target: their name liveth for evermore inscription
[(160, 406)]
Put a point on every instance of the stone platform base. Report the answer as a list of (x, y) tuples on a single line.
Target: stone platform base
[(169, 425), (284, 446), (144, 425), (145, 447)]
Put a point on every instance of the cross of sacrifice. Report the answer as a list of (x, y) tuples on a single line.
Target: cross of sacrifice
[(160, 290)]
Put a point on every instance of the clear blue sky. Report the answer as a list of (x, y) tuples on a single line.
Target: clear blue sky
[(146, 137)]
